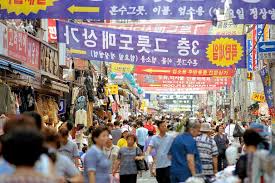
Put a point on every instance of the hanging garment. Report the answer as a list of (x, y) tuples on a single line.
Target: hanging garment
[(90, 88), (5, 98), (81, 117), (81, 103), (75, 93), (27, 99)]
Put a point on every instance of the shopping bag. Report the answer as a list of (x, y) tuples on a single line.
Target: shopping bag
[(238, 131)]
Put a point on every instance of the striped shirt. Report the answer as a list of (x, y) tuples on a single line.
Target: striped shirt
[(207, 148)]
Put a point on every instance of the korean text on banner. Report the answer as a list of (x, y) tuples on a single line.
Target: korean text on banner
[(33, 9), (266, 79), (153, 49), (122, 68), (259, 97), (253, 11), (162, 9)]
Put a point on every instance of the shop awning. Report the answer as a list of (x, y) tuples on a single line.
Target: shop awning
[(16, 68)]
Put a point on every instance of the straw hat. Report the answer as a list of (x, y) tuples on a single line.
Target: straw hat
[(206, 127)]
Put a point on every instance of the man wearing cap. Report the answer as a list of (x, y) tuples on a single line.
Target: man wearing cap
[(208, 150)]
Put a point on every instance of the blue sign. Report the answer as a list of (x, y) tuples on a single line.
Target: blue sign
[(266, 47), (266, 79), (162, 9), (68, 9), (253, 11), (62, 107), (249, 56), (153, 49)]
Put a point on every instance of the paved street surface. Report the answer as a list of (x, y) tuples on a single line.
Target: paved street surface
[(146, 178)]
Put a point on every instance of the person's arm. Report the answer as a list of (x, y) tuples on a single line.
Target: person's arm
[(191, 164), (140, 155), (116, 166), (91, 175), (215, 164)]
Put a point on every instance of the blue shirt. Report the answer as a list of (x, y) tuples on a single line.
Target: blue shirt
[(95, 160), (162, 146), (141, 134), (183, 145), (6, 168)]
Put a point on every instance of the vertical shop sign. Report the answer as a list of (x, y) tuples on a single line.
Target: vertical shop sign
[(266, 79), (49, 60), (52, 36), (260, 37), (17, 45), (249, 56), (33, 53), (254, 51)]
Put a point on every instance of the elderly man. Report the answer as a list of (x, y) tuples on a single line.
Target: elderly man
[(208, 150), (185, 155)]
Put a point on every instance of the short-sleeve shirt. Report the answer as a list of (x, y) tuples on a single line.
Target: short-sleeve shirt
[(162, 146), (207, 148), (111, 154), (127, 160), (141, 134), (150, 128), (183, 145), (116, 134), (65, 167), (70, 150), (95, 160)]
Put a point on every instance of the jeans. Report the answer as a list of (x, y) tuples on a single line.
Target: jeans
[(163, 175), (222, 163)]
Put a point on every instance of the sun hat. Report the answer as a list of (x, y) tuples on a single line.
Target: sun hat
[(206, 127), (124, 130)]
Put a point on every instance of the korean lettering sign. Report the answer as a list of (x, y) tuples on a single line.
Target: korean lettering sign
[(162, 9), (253, 11), (266, 79), (23, 48), (33, 9), (258, 97), (154, 49)]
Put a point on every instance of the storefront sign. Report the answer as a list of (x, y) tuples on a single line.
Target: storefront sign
[(52, 35), (259, 97), (113, 89), (139, 69), (62, 107), (23, 48), (266, 79), (253, 11), (227, 28), (49, 60), (168, 90), (122, 68), (36, 9), (162, 9), (153, 49)]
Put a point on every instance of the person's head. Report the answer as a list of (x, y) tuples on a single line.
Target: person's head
[(162, 126), (230, 121), (139, 124), (149, 120), (109, 142), (134, 125), (125, 122), (220, 129), (193, 127), (84, 149), (19, 121), (52, 138), (252, 138), (110, 126), (22, 146), (36, 117), (117, 124), (150, 133), (124, 133), (131, 140), (206, 128), (100, 136), (67, 125), (64, 135)]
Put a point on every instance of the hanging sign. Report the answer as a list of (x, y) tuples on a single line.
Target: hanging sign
[(121, 68), (62, 107), (259, 97), (34, 9), (152, 49), (140, 69), (162, 9), (113, 89), (253, 11), (266, 79)]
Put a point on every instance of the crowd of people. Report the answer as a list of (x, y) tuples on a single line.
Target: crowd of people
[(31, 152)]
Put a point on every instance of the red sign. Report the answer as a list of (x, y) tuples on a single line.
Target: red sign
[(158, 89), (254, 50), (184, 72), (23, 48), (162, 81), (17, 45), (52, 34)]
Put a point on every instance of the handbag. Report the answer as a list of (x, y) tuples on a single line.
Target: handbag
[(141, 164), (238, 131)]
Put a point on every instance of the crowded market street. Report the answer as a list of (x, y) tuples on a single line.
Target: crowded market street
[(137, 91)]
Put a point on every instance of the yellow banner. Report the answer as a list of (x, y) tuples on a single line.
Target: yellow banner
[(122, 68), (259, 97)]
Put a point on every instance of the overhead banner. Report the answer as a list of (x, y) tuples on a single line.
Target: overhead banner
[(177, 89), (162, 9), (37, 9), (253, 11), (152, 49), (140, 69), (158, 81), (121, 68)]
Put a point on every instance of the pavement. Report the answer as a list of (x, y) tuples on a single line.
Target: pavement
[(146, 178)]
